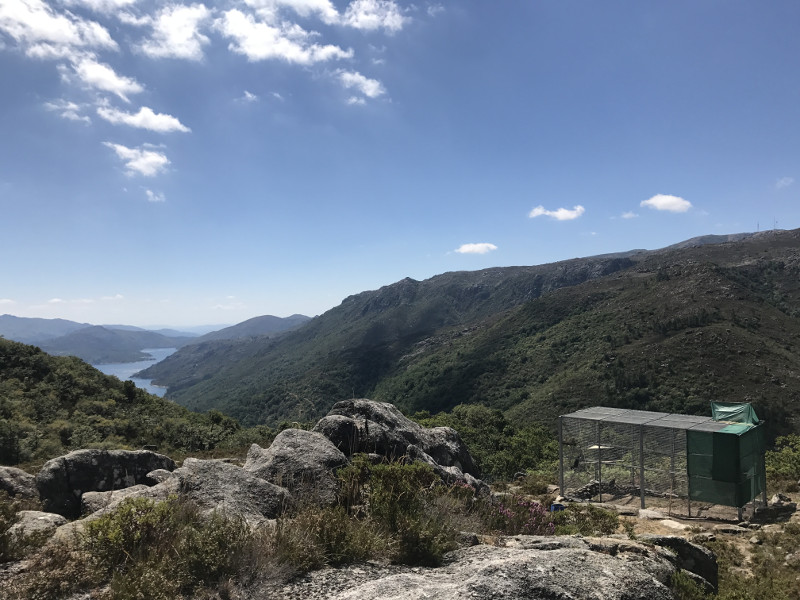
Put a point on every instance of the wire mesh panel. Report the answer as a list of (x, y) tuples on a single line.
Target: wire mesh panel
[(665, 462)]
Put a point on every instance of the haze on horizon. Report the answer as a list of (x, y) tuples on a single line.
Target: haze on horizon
[(198, 163)]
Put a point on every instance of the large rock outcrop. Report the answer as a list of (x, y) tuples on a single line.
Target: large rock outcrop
[(304, 462), (220, 486), (523, 567), (378, 427), (62, 481), (18, 484)]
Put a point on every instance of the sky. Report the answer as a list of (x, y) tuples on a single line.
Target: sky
[(166, 163)]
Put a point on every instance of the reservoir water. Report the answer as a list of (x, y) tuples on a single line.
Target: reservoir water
[(125, 371)]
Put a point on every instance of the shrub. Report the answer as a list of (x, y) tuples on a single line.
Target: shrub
[(585, 519), (150, 549), (325, 536), (521, 516)]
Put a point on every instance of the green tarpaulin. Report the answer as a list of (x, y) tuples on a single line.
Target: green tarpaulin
[(734, 412)]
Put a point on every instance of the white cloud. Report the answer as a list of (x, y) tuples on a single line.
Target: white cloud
[(277, 96), (668, 203), (68, 110), (155, 196), (100, 6), (136, 21), (114, 297), (140, 160), (561, 214), (305, 8), (43, 33), (176, 33), (144, 119), (259, 40), (103, 77), (784, 182), (374, 14), (6, 301), (480, 248), (356, 100), (249, 97), (55, 301), (372, 88), (629, 215)]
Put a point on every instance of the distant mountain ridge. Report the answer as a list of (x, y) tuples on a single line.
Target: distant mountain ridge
[(505, 337), (257, 326), (32, 330), (100, 344)]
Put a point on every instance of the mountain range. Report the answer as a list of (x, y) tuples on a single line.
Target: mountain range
[(98, 344), (712, 318)]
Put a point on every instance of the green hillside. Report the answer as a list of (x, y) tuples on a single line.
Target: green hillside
[(671, 334), (707, 319), (350, 348), (50, 405)]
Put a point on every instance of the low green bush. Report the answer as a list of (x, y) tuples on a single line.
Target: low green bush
[(585, 519)]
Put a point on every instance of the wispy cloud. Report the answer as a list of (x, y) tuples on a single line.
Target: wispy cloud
[(784, 182), (668, 203), (155, 196), (102, 77), (629, 215), (6, 301), (176, 33), (248, 97), (144, 119), (142, 160), (260, 40), (230, 303), (56, 301), (479, 248), (114, 297), (68, 110), (560, 214), (371, 88), (100, 6), (324, 9)]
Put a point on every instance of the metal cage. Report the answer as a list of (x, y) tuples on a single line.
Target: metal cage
[(617, 451)]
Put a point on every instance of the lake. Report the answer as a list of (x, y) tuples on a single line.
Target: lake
[(123, 371)]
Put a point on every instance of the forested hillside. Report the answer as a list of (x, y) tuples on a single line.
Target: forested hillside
[(50, 405), (350, 348), (665, 330)]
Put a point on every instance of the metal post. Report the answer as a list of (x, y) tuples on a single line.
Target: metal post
[(599, 464), (671, 472), (763, 479), (561, 455), (641, 464)]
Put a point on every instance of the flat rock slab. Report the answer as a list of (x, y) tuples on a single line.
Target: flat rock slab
[(532, 568), (669, 523), (731, 529), (654, 515)]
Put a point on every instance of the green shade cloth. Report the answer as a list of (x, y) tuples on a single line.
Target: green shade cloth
[(734, 412), (726, 466)]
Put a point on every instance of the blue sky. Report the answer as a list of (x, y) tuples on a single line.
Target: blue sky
[(181, 164)]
